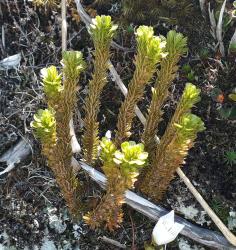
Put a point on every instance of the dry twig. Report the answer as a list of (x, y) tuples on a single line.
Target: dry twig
[(112, 242)]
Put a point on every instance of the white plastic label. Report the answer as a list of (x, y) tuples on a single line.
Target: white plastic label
[(166, 230)]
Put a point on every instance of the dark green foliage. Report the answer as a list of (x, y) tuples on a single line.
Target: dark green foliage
[(230, 157), (140, 11)]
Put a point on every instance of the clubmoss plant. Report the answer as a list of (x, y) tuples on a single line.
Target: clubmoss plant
[(122, 160), (121, 168), (174, 145), (150, 50), (52, 125), (176, 46), (102, 31)]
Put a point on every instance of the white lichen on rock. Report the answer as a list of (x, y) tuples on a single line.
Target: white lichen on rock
[(48, 244), (192, 213), (55, 222), (184, 245)]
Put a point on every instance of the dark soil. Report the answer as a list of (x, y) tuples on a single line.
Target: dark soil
[(27, 192)]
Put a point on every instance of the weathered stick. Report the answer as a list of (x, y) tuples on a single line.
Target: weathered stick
[(63, 25), (204, 236), (226, 232), (112, 242), (15, 154), (202, 4)]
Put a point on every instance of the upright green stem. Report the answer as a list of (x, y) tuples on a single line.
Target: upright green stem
[(135, 93), (92, 105), (150, 52), (175, 47), (102, 31)]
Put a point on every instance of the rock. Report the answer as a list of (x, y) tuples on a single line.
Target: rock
[(48, 244)]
